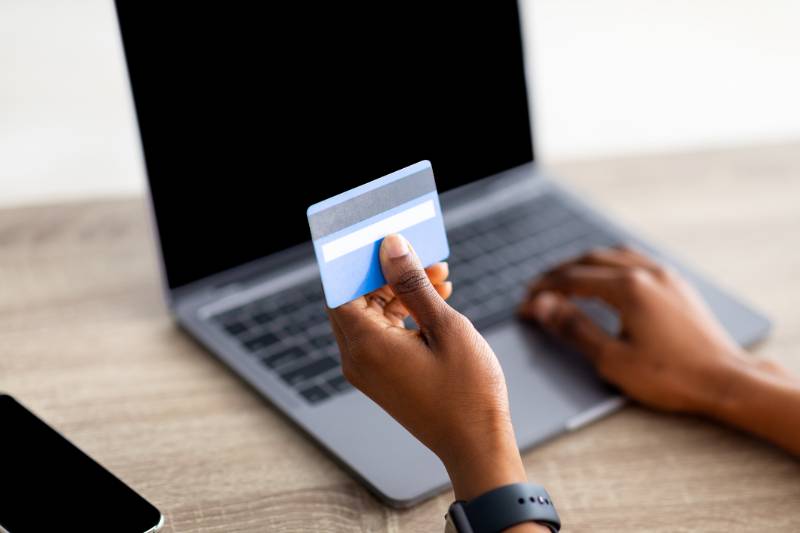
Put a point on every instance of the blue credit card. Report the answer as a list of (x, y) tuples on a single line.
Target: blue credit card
[(348, 228)]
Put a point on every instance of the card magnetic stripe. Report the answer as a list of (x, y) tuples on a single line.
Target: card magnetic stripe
[(371, 199)]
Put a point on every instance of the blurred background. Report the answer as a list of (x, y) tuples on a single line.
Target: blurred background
[(607, 78)]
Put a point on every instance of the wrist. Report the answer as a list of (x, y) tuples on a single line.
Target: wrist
[(764, 404), (732, 388), (482, 463), (718, 389)]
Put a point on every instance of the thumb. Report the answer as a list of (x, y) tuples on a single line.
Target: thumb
[(406, 276)]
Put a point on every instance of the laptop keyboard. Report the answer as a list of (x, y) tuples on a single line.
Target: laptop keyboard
[(491, 261)]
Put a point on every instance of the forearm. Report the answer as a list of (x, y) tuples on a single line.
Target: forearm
[(762, 403)]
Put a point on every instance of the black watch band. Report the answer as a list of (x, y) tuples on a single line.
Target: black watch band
[(503, 507)]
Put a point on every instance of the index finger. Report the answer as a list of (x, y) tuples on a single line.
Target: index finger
[(605, 283)]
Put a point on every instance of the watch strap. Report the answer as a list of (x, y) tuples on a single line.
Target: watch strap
[(504, 507)]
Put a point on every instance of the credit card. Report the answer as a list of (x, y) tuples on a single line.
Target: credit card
[(348, 228)]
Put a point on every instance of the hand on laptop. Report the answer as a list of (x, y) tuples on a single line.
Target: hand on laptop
[(443, 382), (671, 354)]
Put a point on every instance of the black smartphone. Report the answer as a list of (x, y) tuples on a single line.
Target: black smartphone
[(48, 484)]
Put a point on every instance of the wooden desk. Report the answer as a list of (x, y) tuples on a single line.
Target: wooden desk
[(85, 341)]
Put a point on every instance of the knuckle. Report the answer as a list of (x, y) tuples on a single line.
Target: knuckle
[(635, 280), (412, 281), (662, 273), (594, 255)]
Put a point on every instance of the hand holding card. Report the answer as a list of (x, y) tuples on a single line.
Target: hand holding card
[(347, 230)]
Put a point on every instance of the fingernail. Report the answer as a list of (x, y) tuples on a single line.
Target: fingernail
[(395, 245), (544, 304)]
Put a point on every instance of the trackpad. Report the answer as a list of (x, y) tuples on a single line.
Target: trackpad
[(548, 384)]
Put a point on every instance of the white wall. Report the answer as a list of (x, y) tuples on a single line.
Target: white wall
[(609, 77), (66, 120), (618, 76)]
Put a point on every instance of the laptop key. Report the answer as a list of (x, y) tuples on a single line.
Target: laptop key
[(339, 383), (307, 321), (292, 328), (314, 394), (288, 308), (310, 370), (262, 318), (261, 341), (284, 357), (322, 341), (235, 328)]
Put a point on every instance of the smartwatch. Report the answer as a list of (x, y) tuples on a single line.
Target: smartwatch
[(503, 507)]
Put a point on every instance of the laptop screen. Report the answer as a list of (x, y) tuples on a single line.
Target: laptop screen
[(251, 112)]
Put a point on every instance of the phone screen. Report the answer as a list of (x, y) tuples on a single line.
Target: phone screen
[(47, 484)]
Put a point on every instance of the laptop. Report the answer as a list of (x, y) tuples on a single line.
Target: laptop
[(250, 114)]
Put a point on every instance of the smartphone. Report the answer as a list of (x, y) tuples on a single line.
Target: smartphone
[(48, 484)]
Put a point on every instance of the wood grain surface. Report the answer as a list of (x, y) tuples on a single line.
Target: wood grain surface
[(86, 342)]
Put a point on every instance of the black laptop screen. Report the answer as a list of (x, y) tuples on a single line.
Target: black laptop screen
[(250, 112)]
